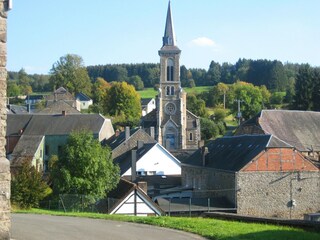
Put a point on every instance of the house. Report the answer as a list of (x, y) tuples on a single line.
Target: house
[(130, 199), (33, 99), (141, 158), (300, 129), (259, 175), (84, 100), (147, 105), (61, 94), (58, 106), (36, 137)]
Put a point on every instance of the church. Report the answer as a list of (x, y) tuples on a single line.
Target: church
[(176, 128)]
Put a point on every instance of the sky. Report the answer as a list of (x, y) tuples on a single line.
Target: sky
[(130, 31)]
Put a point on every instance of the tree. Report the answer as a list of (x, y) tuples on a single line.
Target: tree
[(28, 188), (122, 101), (136, 82), (211, 129), (69, 72), (84, 167), (196, 106), (304, 88), (214, 74), (223, 88), (24, 82), (13, 89)]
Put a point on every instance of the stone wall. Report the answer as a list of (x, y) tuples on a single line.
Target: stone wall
[(4, 163), (278, 194)]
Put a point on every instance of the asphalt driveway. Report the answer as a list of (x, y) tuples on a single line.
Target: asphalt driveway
[(45, 227)]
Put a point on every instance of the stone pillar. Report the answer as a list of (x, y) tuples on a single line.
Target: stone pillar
[(4, 163)]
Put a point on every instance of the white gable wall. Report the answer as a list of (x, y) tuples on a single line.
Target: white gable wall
[(159, 160), (126, 207)]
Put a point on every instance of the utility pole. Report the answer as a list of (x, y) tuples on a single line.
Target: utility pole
[(239, 114)]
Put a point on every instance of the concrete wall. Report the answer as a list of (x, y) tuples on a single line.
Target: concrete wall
[(270, 194), (4, 163)]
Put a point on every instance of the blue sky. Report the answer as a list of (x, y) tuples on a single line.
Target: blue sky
[(130, 31)]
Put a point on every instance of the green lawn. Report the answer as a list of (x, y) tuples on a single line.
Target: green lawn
[(209, 228), (150, 92)]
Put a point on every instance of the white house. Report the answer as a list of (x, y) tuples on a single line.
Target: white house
[(147, 105), (84, 100)]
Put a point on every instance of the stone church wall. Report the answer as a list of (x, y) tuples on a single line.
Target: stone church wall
[(4, 163)]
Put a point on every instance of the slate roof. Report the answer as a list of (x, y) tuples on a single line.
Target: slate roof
[(17, 122), (17, 109), (233, 153), (62, 125), (25, 149), (60, 94), (145, 101), (298, 128), (82, 97), (150, 119), (169, 38), (56, 107), (43, 124)]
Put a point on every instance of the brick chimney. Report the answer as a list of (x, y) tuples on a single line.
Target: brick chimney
[(152, 132), (140, 144), (143, 186)]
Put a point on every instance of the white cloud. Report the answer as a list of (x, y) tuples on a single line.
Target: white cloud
[(203, 42)]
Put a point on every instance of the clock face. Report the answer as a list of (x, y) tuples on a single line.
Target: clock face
[(170, 108)]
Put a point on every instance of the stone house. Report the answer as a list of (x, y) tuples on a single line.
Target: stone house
[(259, 175), (36, 137), (300, 129), (62, 95)]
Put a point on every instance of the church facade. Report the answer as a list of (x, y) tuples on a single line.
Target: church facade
[(176, 128)]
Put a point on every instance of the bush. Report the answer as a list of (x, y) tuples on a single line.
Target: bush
[(28, 188)]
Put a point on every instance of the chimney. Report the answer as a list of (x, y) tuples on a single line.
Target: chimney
[(133, 165), (140, 144), (204, 152), (143, 186), (127, 133), (117, 133), (64, 113), (152, 132)]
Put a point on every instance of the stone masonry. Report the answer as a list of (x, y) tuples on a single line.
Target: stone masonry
[(4, 163)]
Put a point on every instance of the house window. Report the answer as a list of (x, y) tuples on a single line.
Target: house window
[(141, 173)]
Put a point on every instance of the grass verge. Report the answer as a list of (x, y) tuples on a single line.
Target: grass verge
[(206, 227)]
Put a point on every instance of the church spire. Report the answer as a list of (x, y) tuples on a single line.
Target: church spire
[(169, 38)]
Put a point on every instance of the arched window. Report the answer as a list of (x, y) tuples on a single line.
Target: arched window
[(190, 136), (170, 67), (172, 90)]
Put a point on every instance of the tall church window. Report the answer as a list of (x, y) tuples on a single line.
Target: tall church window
[(168, 90), (172, 90), (170, 69), (190, 137)]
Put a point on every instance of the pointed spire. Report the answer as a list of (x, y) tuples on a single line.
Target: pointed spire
[(169, 38)]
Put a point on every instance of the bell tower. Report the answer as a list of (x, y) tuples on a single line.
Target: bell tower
[(171, 101)]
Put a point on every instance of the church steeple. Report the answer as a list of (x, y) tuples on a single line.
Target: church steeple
[(169, 38)]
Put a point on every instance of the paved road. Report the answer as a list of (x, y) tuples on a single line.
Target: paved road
[(44, 227)]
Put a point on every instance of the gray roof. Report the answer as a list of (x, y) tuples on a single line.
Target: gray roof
[(27, 145), (60, 94), (145, 101), (169, 35), (233, 153), (82, 97), (42, 124), (298, 128), (17, 122), (59, 106)]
